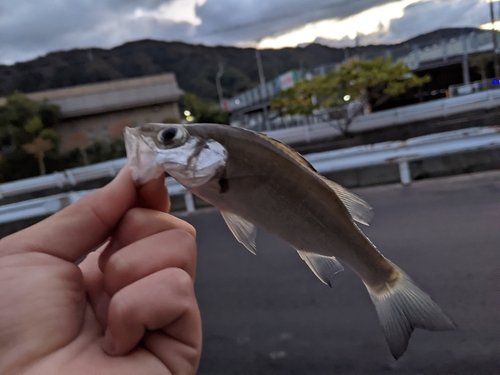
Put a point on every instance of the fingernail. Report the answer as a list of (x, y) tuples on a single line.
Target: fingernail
[(108, 343)]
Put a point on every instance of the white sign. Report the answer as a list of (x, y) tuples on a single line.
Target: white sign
[(286, 80)]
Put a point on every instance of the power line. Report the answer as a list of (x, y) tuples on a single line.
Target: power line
[(276, 18)]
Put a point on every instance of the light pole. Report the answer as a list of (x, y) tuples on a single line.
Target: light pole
[(219, 87), (262, 86), (494, 38)]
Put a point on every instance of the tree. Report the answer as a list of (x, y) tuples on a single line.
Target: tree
[(354, 87), (204, 111), (80, 141), (26, 126), (38, 147)]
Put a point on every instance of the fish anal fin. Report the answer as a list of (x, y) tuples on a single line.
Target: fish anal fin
[(244, 231), (322, 266), (360, 211)]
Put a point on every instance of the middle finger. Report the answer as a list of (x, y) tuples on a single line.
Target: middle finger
[(172, 248), (139, 223)]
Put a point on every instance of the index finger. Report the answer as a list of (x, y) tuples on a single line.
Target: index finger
[(79, 228), (153, 195)]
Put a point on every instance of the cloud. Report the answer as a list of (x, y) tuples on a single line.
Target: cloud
[(32, 28), (231, 22), (417, 19)]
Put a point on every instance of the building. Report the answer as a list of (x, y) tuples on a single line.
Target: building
[(470, 61), (100, 111)]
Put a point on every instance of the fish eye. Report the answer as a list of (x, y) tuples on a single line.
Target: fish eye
[(172, 137)]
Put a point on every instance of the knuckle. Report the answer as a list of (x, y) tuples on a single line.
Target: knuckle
[(135, 217), (190, 229), (184, 241), (192, 356), (121, 308), (118, 265), (181, 283)]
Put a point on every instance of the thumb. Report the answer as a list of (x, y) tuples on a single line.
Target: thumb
[(79, 228)]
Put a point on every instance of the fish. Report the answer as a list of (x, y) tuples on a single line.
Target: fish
[(255, 182)]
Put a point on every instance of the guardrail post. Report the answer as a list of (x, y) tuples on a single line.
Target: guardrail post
[(70, 177), (189, 202), (404, 172)]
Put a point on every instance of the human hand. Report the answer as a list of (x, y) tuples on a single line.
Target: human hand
[(128, 308)]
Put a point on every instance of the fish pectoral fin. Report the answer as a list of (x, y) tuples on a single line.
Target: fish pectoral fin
[(244, 231), (322, 266), (360, 211)]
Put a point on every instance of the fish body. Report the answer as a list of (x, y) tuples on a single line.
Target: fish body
[(256, 181)]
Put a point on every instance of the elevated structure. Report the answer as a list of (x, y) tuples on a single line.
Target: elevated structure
[(473, 49), (92, 99)]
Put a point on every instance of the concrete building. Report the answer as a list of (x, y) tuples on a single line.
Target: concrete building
[(99, 112), (451, 63)]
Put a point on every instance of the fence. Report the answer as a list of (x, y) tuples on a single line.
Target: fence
[(402, 115), (396, 152)]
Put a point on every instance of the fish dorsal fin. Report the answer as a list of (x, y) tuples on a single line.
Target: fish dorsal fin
[(287, 150), (244, 231), (360, 211), (322, 266)]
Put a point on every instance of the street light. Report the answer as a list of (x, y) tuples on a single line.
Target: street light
[(347, 98), (219, 87), (495, 43)]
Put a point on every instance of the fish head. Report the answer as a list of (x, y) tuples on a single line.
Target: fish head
[(192, 160)]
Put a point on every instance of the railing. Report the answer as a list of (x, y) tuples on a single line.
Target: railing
[(442, 50), (70, 177), (401, 115), (473, 87), (397, 152)]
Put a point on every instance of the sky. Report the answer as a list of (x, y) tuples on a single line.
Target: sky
[(32, 28)]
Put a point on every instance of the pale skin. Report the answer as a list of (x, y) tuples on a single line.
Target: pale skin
[(128, 308)]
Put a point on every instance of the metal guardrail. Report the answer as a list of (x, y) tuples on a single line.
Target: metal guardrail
[(397, 152), (401, 115), (440, 51), (70, 177), (50, 205), (308, 133), (473, 87)]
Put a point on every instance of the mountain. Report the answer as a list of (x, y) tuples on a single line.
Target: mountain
[(194, 65), (422, 41)]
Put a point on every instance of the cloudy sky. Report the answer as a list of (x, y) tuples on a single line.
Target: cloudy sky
[(30, 28)]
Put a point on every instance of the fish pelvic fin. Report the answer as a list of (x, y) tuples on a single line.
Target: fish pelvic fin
[(243, 230), (322, 266), (403, 306)]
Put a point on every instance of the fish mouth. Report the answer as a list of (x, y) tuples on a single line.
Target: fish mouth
[(140, 157), (192, 164)]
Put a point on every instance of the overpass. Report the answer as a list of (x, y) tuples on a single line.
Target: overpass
[(248, 108)]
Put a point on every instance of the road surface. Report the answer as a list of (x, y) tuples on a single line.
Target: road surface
[(268, 314)]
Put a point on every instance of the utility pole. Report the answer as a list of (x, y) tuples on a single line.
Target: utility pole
[(263, 90), (219, 87), (495, 42)]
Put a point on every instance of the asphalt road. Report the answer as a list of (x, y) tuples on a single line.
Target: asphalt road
[(268, 314)]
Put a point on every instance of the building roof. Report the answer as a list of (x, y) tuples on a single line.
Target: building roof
[(104, 97)]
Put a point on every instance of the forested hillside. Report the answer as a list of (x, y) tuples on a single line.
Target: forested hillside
[(194, 65)]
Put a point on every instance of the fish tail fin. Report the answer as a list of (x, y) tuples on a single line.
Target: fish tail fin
[(402, 307)]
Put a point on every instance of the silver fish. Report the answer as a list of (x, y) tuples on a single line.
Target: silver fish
[(256, 181)]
